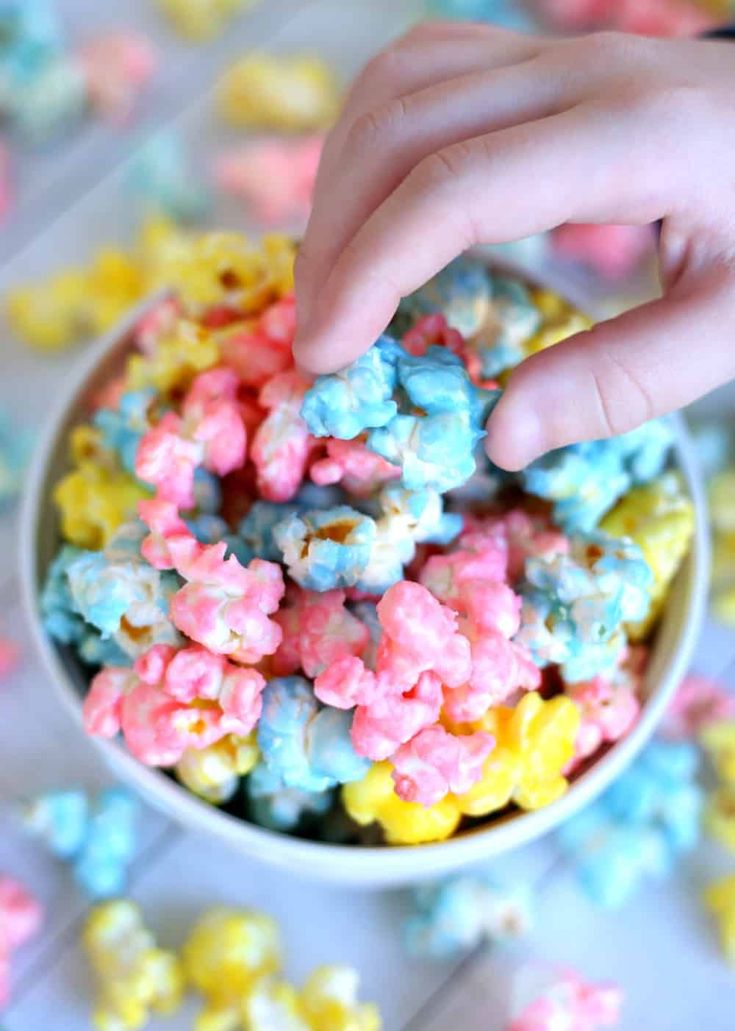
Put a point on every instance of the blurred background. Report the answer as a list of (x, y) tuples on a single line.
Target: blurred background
[(117, 118)]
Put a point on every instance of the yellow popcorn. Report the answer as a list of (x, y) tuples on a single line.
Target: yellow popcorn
[(136, 978), (49, 315), (114, 284), (534, 741), (200, 20), (329, 1002), (719, 816), (373, 799), (190, 349), (719, 898), (225, 955), (561, 321), (93, 501), (214, 772), (718, 741), (295, 94), (659, 517)]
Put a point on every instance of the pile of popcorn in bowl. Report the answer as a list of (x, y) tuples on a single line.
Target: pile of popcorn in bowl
[(315, 603)]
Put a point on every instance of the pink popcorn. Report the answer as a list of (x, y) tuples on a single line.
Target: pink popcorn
[(156, 324), (611, 251), (209, 433), (6, 193), (117, 67), (429, 330), (108, 395), (282, 443), (260, 349), (609, 709), (167, 460), (525, 535), (226, 606), (435, 762), (479, 555), (567, 1003), (173, 700), (500, 668), (360, 471), (275, 178), (21, 916), (170, 542), (347, 683), (647, 17), (328, 631), (697, 703), (9, 655), (390, 719)]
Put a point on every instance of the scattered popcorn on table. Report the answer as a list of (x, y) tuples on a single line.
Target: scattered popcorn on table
[(201, 20), (697, 705), (15, 449), (136, 978), (273, 178), (611, 251), (506, 13), (96, 836), (316, 603), (639, 827), (280, 94), (21, 916), (719, 899), (550, 999), (117, 67), (161, 179), (462, 912)]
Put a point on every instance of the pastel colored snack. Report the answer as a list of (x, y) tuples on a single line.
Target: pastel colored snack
[(117, 67), (161, 179), (326, 549), (135, 977), (268, 92), (21, 916), (547, 999), (214, 773)]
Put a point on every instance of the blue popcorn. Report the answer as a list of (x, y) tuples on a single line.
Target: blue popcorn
[(279, 808), (575, 605), (123, 427), (506, 13), (323, 549), (161, 178), (303, 745), (256, 529), (461, 292), (64, 622), (518, 319), (357, 398), (585, 480), (639, 828), (207, 492), (458, 914), (30, 36), (124, 598), (49, 101), (208, 529), (15, 449), (96, 836)]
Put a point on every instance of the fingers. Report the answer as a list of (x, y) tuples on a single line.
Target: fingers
[(431, 53), (582, 165), (619, 374)]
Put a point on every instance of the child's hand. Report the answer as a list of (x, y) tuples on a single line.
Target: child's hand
[(461, 134)]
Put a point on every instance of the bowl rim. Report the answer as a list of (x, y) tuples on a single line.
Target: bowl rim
[(368, 864)]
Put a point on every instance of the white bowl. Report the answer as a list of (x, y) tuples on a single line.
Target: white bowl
[(363, 866)]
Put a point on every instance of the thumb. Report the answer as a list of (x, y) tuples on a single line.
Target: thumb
[(606, 381)]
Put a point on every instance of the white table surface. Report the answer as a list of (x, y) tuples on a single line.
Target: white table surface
[(660, 946)]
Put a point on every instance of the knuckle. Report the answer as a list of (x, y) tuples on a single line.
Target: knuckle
[(386, 69), (624, 401), (375, 128), (443, 167)]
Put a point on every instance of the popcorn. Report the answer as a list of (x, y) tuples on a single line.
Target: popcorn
[(717, 738), (94, 502), (184, 351), (214, 773), (50, 101), (136, 978), (350, 463), (281, 445), (574, 606), (456, 915), (127, 600), (585, 480), (161, 180), (697, 705), (329, 1000), (719, 898), (259, 349), (563, 1001), (292, 94), (95, 836), (117, 67), (514, 319), (225, 956), (434, 763), (274, 178), (304, 746), (9, 655), (173, 701), (15, 446), (609, 709), (356, 398), (123, 427), (324, 549), (659, 517), (639, 827), (200, 20), (282, 808), (462, 293), (21, 916), (611, 251)]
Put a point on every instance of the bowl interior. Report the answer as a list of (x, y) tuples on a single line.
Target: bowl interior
[(366, 866)]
